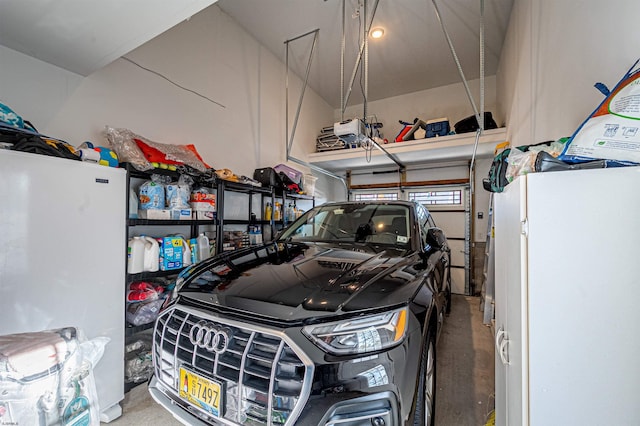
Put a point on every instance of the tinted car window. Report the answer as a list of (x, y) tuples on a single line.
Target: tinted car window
[(360, 223), (425, 221)]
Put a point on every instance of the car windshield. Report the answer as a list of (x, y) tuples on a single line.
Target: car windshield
[(357, 223)]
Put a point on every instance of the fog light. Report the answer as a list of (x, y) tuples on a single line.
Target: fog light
[(375, 409), (377, 421)]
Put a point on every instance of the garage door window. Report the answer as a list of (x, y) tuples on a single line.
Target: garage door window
[(377, 196), (439, 198)]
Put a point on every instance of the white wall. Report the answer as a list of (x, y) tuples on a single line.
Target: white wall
[(554, 53), (34, 89), (210, 54)]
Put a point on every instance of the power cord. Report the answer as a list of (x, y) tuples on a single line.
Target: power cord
[(173, 82)]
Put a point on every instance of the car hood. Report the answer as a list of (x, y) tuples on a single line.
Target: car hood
[(293, 281)]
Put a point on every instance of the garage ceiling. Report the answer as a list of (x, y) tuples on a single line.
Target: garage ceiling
[(413, 55), (82, 36), (85, 35)]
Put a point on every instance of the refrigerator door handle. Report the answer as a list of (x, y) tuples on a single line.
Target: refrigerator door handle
[(501, 346)]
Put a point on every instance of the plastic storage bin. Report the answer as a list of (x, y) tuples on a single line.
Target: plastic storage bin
[(293, 174), (309, 184)]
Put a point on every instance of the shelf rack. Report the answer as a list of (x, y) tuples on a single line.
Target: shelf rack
[(431, 150)]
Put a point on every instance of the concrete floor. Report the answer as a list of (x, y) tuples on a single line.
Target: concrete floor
[(465, 375), (464, 367)]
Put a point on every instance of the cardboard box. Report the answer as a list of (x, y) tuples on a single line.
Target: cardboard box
[(203, 206), (181, 214), (199, 215), (155, 214), (170, 253)]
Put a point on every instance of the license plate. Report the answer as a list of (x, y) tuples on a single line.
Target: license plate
[(203, 393)]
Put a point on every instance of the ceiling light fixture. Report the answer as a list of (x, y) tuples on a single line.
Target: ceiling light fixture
[(377, 33)]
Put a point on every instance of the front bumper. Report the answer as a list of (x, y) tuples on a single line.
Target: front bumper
[(376, 389), (374, 409), (180, 410)]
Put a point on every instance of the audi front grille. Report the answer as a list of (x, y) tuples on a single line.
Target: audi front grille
[(267, 381)]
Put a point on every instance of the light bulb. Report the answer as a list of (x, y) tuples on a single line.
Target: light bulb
[(377, 33)]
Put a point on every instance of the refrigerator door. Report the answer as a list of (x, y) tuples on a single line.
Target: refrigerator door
[(62, 257), (511, 267), (584, 264)]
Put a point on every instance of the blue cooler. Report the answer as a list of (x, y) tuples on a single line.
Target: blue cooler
[(437, 127)]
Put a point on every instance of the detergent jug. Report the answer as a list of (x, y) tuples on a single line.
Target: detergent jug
[(193, 246), (151, 254), (135, 255)]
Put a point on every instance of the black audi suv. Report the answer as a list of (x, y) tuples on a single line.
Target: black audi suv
[(335, 322)]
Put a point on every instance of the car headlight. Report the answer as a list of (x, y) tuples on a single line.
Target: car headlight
[(359, 335)]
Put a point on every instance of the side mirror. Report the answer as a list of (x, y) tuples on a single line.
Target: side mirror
[(436, 239)]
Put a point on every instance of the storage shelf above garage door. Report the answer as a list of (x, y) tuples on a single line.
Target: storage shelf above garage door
[(439, 149)]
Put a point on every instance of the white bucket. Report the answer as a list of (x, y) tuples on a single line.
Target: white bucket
[(135, 255)]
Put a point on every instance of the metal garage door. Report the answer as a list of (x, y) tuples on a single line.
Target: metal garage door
[(450, 209)]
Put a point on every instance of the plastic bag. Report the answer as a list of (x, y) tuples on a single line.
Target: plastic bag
[(47, 377), (138, 365), (131, 148), (152, 193), (170, 154), (144, 312), (203, 199), (144, 291), (520, 163), (612, 131), (121, 141), (178, 194), (522, 160), (554, 148)]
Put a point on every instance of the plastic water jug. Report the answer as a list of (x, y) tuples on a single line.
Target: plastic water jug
[(203, 247), (133, 204), (135, 255), (151, 254)]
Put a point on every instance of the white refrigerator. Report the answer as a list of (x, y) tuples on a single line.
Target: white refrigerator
[(567, 250), (63, 255)]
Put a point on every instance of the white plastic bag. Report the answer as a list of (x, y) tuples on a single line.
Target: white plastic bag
[(612, 131)]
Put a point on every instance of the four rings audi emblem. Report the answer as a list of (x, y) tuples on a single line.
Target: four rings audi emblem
[(209, 336)]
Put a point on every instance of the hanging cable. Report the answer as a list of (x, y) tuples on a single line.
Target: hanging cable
[(481, 117), (304, 86), (289, 142), (359, 56), (342, 50), (457, 61), (481, 121), (173, 82), (365, 34)]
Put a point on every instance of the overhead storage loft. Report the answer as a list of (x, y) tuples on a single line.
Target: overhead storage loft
[(439, 149)]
